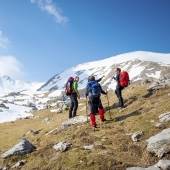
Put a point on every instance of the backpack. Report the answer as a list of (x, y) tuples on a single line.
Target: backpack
[(124, 79), (68, 86), (94, 88)]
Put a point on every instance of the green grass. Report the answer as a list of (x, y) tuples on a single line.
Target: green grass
[(116, 148)]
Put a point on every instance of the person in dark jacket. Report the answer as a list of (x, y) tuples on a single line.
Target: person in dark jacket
[(119, 88), (74, 98), (93, 92)]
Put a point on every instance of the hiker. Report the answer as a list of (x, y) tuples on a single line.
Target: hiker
[(93, 92), (72, 91), (122, 79)]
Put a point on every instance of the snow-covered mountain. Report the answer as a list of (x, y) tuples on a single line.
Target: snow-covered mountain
[(8, 85), (22, 98), (140, 65)]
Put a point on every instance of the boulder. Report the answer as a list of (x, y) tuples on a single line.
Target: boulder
[(22, 148), (163, 164), (165, 117), (62, 146), (160, 143), (136, 136)]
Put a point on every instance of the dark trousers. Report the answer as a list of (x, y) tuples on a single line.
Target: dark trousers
[(73, 105), (118, 93)]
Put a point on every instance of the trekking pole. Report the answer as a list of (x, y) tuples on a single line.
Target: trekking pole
[(108, 103), (86, 110)]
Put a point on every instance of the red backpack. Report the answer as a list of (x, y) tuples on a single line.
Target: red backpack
[(124, 79), (69, 86)]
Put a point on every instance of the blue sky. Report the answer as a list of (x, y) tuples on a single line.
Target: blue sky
[(44, 37)]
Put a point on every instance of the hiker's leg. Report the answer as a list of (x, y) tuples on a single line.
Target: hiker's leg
[(101, 111), (119, 93), (71, 107), (92, 119), (75, 105)]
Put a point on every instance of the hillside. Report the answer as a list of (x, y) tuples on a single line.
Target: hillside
[(113, 147)]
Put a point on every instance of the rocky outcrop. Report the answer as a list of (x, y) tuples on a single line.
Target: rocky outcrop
[(22, 148), (160, 143)]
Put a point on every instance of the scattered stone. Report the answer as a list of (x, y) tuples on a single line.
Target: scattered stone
[(22, 148), (3, 168), (136, 136), (152, 121), (19, 164), (159, 125), (168, 94), (73, 121), (160, 143), (62, 146), (88, 147), (165, 117), (58, 110), (163, 164)]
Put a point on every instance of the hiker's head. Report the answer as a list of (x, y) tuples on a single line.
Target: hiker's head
[(118, 70), (77, 78), (91, 78)]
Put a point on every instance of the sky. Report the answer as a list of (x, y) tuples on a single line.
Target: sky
[(40, 38)]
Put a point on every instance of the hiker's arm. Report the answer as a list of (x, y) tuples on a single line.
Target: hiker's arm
[(102, 91), (87, 91), (100, 79)]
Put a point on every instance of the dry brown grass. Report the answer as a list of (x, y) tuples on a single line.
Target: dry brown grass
[(117, 149)]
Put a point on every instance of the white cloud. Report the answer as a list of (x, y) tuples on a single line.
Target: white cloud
[(10, 66), (4, 41), (49, 7)]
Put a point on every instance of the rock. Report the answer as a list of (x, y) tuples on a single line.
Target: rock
[(159, 125), (165, 117), (58, 110), (73, 121), (62, 146), (139, 168), (160, 143), (88, 147), (19, 164), (168, 94), (22, 148), (2, 105), (136, 136), (163, 164), (3, 168)]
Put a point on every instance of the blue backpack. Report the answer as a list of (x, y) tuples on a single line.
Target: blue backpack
[(94, 88)]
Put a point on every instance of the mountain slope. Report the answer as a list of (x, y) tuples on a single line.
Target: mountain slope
[(8, 85), (139, 64)]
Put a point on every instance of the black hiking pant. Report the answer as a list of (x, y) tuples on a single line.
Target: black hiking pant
[(73, 105), (118, 93)]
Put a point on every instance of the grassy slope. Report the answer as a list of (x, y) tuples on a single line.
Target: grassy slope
[(114, 149)]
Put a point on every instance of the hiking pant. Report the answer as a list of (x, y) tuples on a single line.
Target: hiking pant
[(96, 107), (118, 93), (73, 105)]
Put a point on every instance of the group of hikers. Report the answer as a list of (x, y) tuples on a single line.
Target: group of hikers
[(93, 94)]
